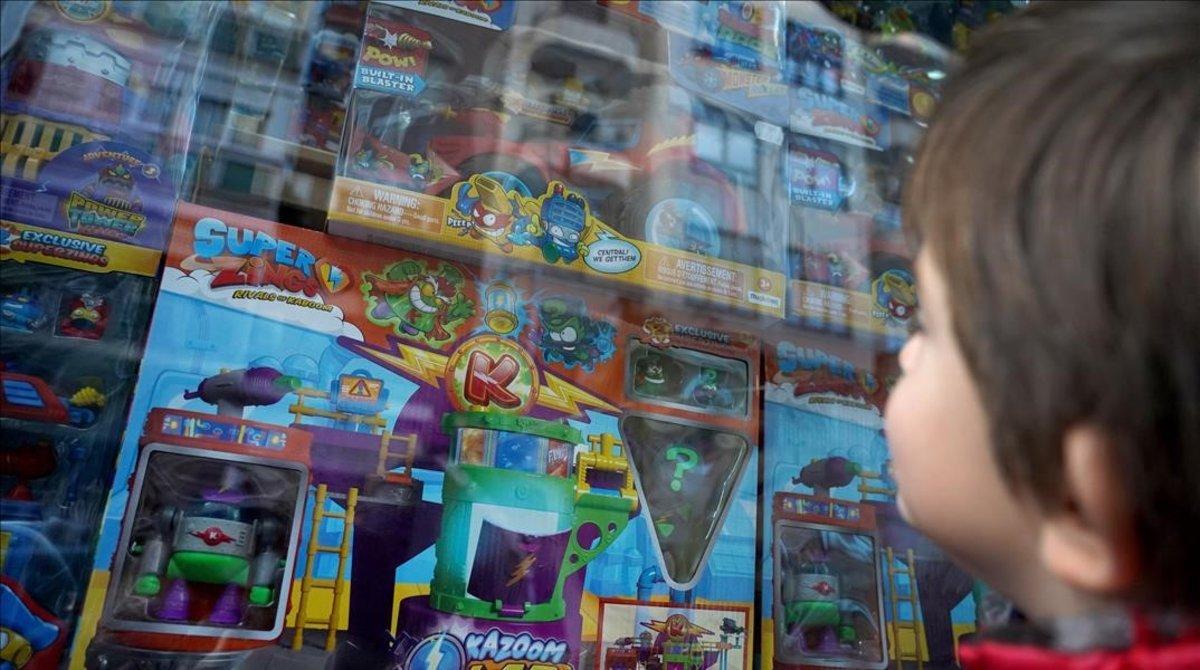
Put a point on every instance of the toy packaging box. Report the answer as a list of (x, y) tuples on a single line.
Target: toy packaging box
[(846, 117), (846, 582), (554, 135), (89, 94), (353, 454), (100, 71), (79, 252), (850, 265)]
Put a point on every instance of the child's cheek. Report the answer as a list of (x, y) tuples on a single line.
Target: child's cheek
[(923, 438), (898, 421)]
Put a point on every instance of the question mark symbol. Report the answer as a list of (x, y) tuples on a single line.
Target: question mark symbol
[(685, 459)]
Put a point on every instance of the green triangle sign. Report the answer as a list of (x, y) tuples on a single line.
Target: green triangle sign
[(686, 477)]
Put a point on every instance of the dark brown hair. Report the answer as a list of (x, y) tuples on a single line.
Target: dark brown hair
[(1057, 191)]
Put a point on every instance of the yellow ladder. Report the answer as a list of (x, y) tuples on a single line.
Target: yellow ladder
[(27, 141), (865, 487), (300, 410), (387, 456), (909, 570), (338, 583)]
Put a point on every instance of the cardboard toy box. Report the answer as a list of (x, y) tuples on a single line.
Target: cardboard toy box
[(553, 137), (79, 251), (845, 115), (350, 450), (850, 264), (846, 583)]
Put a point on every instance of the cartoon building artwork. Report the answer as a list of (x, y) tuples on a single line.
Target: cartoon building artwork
[(850, 583), (276, 482), (634, 635), (461, 334)]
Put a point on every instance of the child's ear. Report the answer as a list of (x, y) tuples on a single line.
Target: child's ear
[(1089, 541)]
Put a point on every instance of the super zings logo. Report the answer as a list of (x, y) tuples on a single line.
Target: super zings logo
[(246, 257), (52, 244), (418, 302), (821, 378), (492, 650)]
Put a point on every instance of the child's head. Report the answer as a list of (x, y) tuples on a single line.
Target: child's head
[(1046, 431)]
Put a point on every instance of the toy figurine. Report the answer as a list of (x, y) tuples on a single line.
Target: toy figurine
[(895, 294), (683, 225), (22, 311), (84, 405), (656, 376), (88, 317), (812, 613), (815, 58), (818, 619), (377, 158), (25, 630), (707, 391), (216, 541)]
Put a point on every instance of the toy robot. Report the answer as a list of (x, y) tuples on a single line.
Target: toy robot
[(217, 542), (558, 228), (814, 614), (818, 617)]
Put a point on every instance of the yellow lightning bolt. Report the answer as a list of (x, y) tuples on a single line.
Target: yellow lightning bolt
[(521, 570), (426, 366), (434, 659), (680, 141), (557, 393), (600, 161)]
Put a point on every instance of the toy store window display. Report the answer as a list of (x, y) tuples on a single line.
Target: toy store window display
[(95, 99), (565, 144)]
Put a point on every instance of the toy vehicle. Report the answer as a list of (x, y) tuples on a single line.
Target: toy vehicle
[(31, 398), (22, 311)]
